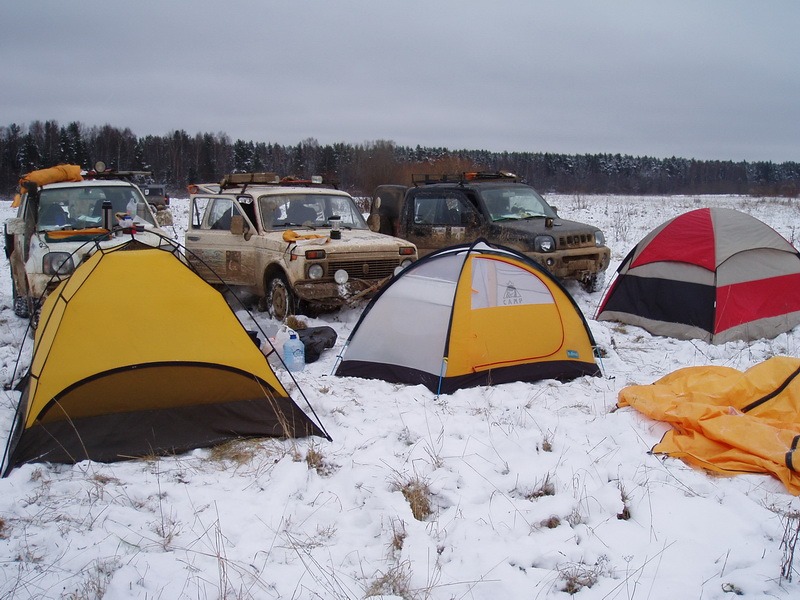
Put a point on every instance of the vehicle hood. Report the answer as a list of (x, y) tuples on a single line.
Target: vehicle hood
[(352, 240), (82, 241), (535, 226)]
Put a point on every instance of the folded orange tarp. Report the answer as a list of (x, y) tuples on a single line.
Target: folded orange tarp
[(44, 176), (729, 421), (292, 236)]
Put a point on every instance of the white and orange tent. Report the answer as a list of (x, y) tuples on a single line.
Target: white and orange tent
[(467, 315), (714, 274)]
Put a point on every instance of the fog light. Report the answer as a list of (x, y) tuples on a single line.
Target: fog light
[(550, 262), (341, 276)]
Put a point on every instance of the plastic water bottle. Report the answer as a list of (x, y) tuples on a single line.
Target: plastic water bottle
[(131, 208), (294, 353)]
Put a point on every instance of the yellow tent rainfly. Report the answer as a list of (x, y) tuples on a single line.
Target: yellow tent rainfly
[(110, 380), (467, 315), (728, 421)]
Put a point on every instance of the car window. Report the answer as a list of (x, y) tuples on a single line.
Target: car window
[(515, 203), (441, 208), (80, 207), (287, 210), (221, 214)]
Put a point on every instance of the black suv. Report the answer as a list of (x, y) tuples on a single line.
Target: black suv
[(444, 210)]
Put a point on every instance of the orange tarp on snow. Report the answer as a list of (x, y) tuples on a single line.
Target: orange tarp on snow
[(729, 421), (51, 175)]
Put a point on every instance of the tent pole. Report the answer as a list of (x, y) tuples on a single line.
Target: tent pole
[(441, 376)]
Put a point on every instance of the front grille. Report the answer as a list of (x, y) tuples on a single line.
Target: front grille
[(576, 241), (365, 269)]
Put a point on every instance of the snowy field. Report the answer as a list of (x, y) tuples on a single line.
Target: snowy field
[(519, 491)]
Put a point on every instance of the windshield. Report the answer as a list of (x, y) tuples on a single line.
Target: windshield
[(518, 202), (312, 210), (77, 207)]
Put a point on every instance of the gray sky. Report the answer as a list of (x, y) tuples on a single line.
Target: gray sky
[(706, 79)]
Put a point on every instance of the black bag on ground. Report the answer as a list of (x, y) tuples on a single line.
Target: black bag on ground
[(316, 339)]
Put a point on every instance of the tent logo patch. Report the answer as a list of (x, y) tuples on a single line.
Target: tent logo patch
[(512, 295), (572, 354)]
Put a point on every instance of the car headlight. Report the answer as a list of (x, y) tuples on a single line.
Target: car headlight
[(544, 243), (316, 271), (341, 276), (58, 263), (599, 238)]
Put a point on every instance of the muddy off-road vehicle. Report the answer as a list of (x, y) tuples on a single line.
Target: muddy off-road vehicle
[(64, 214), (443, 210), (156, 194), (297, 245)]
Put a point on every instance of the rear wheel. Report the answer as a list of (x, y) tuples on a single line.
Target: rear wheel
[(280, 300)]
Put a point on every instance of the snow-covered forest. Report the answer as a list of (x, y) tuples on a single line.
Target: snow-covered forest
[(178, 158)]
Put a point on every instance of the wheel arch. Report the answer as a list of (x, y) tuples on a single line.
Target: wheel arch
[(272, 270)]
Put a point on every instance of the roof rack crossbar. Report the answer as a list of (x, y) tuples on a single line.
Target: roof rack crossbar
[(462, 178)]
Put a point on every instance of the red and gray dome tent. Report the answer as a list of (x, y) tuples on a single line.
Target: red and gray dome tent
[(714, 274)]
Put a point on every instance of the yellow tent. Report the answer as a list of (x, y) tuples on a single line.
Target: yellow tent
[(728, 421), (136, 355), (467, 315)]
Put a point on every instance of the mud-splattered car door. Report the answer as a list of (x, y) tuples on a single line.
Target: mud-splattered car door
[(439, 218), (220, 241)]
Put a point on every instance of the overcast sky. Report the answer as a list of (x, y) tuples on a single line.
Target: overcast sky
[(706, 79)]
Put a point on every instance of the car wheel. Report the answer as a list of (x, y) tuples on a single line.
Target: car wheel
[(593, 283), (280, 299), (21, 307)]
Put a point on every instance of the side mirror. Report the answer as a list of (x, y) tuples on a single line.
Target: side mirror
[(374, 222), (237, 225), (15, 226)]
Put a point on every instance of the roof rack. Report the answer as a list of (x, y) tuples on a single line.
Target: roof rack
[(245, 179), (114, 174), (236, 179), (462, 178)]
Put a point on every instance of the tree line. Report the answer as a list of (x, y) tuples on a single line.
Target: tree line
[(178, 159)]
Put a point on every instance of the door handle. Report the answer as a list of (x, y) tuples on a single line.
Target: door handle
[(194, 238)]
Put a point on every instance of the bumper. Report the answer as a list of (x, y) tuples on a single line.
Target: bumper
[(574, 264), (330, 293)]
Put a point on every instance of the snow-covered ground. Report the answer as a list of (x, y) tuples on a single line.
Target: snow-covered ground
[(531, 489)]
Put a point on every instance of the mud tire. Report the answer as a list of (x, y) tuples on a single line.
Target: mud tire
[(21, 307), (593, 283), (280, 301)]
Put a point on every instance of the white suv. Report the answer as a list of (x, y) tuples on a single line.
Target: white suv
[(59, 223), (294, 244)]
